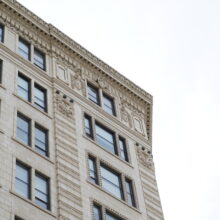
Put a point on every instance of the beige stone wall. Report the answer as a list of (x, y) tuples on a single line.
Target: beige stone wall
[(69, 68)]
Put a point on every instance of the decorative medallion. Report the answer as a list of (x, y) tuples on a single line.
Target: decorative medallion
[(78, 81)]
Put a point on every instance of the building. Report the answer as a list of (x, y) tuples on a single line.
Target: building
[(75, 135)]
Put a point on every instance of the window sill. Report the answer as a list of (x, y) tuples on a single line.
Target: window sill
[(32, 150), (110, 194), (32, 105), (32, 203), (116, 156)]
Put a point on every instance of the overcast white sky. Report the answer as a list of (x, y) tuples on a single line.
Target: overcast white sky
[(172, 50)]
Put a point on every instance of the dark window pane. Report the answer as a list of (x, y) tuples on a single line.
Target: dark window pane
[(97, 213), (41, 191), (24, 49), (111, 182), (23, 87), (110, 216), (1, 33), (108, 104), (40, 97), (88, 126), (41, 140), (93, 170), (23, 129), (123, 149), (105, 138), (93, 94), (1, 70), (22, 180), (130, 192), (39, 59)]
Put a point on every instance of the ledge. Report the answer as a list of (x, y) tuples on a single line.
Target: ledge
[(31, 149), (114, 155), (2, 132), (33, 204), (1, 86), (120, 200), (32, 105)]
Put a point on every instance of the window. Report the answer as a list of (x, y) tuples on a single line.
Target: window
[(1, 33), (88, 126), (39, 58), (105, 138), (40, 97), (17, 218), (23, 88), (93, 94), (110, 216), (93, 170), (108, 104), (1, 70), (22, 180), (41, 191), (97, 212), (111, 182), (129, 192), (123, 149), (23, 129), (24, 49), (41, 140)]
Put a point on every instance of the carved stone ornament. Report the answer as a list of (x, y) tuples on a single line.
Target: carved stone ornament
[(78, 81), (64, 106), (125, 116), (102, 83), (145, 157)]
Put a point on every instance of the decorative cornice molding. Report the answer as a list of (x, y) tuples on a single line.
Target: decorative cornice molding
[(67, 44)]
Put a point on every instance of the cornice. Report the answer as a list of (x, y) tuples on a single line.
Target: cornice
[(56, 36)]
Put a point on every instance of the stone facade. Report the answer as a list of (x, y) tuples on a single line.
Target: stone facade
[(68, 69)]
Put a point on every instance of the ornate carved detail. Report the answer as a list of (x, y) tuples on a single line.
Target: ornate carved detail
[(125, 116), (145, 157), (78, 81), (64, 106)]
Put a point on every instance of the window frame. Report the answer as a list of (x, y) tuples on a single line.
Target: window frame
[(40, 127), (35, 61), (28, 45), (42, 176), (131, 193), (90, 128), (44, 91), (1, 71), (28, 80), (28, 120), (28, 169), (2, 37), (116, 137), (121, 177), (96, 89), (111, 100)]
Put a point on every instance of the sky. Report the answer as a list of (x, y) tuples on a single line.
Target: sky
[(171, 49)]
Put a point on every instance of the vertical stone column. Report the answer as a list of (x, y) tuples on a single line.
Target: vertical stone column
[(149, 183), (67, 164)]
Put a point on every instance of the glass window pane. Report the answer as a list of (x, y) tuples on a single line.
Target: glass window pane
[(93, 170), (40, 97), (22, 182), (39, 59), (97, 213), (123, 149), (111, 182), (108, 105), (88, 126), (1, 33), (111, 217), (23, 129), (24, 49), (41, 140), (23, 88), (130, 193), (105, 138), (93, 94)]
